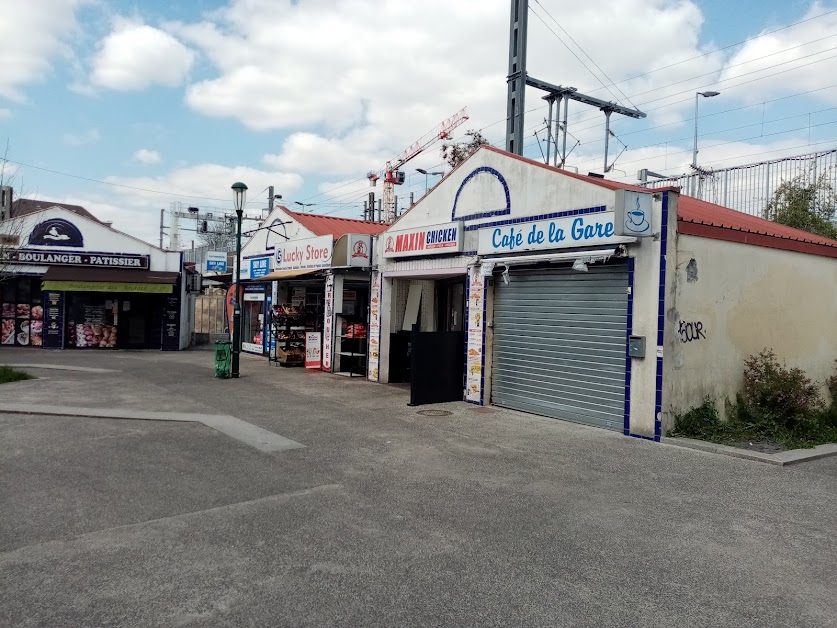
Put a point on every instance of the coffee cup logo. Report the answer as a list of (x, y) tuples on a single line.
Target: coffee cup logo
[(636, 221)]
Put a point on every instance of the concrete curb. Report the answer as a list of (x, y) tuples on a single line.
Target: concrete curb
[(781, 459), (62, 367), (244, 432)]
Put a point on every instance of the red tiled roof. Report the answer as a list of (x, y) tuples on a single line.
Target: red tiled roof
[(704, 219), (325, 225), (696, 217), (24, 206)]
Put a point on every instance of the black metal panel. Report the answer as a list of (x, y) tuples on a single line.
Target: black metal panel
[(437, 363)]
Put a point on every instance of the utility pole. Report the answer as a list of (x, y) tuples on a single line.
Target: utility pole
[(380, 216), (517, 76), (270, 199), (162, 213)]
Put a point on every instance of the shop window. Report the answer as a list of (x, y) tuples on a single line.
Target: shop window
[(91, 321), (22, 312)]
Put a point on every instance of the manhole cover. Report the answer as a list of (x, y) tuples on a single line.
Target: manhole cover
[(434, 412)]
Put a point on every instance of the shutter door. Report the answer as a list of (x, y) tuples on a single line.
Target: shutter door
[(560, 343)]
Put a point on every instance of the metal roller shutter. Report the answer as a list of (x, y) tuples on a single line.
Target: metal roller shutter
[(560, 343)]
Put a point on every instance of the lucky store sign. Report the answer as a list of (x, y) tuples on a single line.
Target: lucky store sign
[(565, 232)]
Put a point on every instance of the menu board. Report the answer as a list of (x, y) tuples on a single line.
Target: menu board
[(374, 326), (53, 334), (171, 323), (328, 322), (476, 325)]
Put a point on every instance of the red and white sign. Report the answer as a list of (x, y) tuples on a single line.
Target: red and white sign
[(360, 247), (307, 253), (431, 240), (313, 350)]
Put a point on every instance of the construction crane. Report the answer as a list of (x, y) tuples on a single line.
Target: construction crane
[(391, 173)]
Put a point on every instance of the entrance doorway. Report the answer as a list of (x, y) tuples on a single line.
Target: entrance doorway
[(450, 296)]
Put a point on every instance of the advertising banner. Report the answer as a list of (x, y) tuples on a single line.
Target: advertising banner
[(475, 335), (313, 350), (328, 322), (374, 326), (216, 262)]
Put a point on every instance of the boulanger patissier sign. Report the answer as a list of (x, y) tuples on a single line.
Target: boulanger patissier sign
[(422, 241), (305, 254), (61, 258)]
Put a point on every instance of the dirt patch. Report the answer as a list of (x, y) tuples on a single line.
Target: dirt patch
[(765, 447)]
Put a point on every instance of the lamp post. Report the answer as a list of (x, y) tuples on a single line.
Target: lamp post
[(426, 174), (239, 197), (303, 205), (695, 148)]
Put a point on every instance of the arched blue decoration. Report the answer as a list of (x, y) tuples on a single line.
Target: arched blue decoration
[(56, 232), (495, 212)]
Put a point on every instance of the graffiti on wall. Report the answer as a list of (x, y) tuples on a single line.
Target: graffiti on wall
[(690, 331)]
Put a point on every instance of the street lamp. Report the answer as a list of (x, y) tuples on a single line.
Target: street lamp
[(304, 205), (239, 198), (426, 174), (695, 149)]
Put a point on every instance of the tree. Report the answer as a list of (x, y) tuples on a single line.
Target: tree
[(217, 237), (11, 228), (455, 153), (805, 204)]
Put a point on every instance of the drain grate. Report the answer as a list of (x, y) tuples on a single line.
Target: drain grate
[(434, 412)]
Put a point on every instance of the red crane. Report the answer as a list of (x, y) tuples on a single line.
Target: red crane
[(392, 175)]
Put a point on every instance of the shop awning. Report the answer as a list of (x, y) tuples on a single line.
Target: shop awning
[(278, 275), (109, 280)]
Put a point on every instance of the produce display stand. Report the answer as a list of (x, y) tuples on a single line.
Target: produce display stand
[(288, 325), (350, 344)]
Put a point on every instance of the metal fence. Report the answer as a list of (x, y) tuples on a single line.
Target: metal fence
[(751, 187)]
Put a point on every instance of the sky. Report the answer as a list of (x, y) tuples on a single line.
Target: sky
[(128, 107)]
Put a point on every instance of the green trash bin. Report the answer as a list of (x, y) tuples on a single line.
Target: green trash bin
[(223, 359)]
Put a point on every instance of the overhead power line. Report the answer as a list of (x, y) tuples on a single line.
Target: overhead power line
[(586, 67)]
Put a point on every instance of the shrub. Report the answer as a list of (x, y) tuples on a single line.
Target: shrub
[(9, 375), (787, 397), (699, 422)]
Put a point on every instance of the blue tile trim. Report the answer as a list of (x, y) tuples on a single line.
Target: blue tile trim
[(514, 221), (497, 212), (661, 314), (626, 428), (655, 440), (465, 352)]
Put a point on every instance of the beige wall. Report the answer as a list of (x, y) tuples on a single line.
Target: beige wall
[(732, 300)]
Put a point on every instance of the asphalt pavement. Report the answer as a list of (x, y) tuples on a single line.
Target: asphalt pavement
[(384, 516)]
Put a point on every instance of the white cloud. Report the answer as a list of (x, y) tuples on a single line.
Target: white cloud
[(362, 79), (32, 34), (147, 157), (91, 136), (135, 56), (809, 46)]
